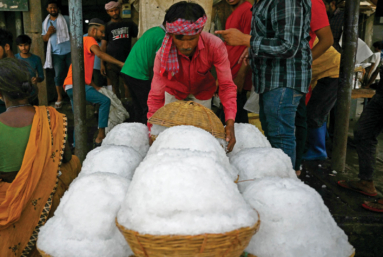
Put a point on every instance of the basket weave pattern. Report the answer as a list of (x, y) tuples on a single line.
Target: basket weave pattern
[(230, 244), (189, 113)]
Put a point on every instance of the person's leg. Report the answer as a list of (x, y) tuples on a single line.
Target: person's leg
[(280, 107), (262, 117), (300, 133), (59, 66), (93, 96), (69, 92), (369, 126), (98, 79), (139, 90), (113, 76), (242, 115)]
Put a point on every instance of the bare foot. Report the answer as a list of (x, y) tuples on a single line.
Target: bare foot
[(298, 172), (364, 185)]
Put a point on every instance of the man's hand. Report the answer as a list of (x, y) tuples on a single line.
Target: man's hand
[(34, 80), (234, 37), (244, 57), (239, 81), (51, 30), (230, 135), (121, 64), (103, 69)]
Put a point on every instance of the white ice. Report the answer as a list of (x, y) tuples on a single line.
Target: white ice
[(294, 221), (134, 135), (183, 196), (120, 160), (84, 222), (189, 140), (248, 136), (256, 163)]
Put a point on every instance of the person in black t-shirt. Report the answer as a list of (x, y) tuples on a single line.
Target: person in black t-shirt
[(117, 43)]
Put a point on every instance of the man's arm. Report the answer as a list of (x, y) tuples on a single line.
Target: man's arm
[(104, 56), (103, 48), (227, 92), (156, 98), (326, 40), (287, 33)]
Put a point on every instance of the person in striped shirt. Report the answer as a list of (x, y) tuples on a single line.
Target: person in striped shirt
[(280, 58)]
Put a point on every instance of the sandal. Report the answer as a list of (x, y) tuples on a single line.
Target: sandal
[(95, 145), (348, 185), (58, 105), (375, 206)]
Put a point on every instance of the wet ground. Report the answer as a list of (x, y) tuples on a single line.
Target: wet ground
[(364, 228)]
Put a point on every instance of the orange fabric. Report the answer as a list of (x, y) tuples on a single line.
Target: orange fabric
[(25, 203), (88, 62)]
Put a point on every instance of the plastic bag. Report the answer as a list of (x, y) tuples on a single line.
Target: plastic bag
[(252, 104)]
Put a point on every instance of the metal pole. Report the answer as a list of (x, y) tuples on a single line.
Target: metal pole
[(75, 14), (347, 66), (19, 24)]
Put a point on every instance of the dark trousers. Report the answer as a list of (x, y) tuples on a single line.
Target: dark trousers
[(300, 132), (115, 76), (139, 90), (366, 132), (242, 114), (61, 64), (98, 79), (322, 100)]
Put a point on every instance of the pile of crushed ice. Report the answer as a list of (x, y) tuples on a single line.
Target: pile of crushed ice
[(248, 136), (84, 222), (256, 163), (183, 188), (134, 135), (294, 221)]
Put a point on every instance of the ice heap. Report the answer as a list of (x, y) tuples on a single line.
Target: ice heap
[(295, 221), (182, 141), (186, 192), (84, 223), (120, 160), (248, 136), (257, 163), (134, 135)]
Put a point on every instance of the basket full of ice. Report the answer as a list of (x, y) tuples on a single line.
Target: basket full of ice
[(248, 136), (180, 141), (257, 163), (134, 135), (185, 206), (84, 222), (295, 221), (187, 113)]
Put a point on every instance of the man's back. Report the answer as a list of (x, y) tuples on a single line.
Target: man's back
[(280, 45)]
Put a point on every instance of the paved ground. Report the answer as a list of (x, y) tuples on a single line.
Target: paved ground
[(364, 228)]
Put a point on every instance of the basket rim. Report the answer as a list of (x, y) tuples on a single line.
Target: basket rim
[(255, 227)]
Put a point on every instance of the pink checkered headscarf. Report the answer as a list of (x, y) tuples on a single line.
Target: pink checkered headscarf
[(169, 60)]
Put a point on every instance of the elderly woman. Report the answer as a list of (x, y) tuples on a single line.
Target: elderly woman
[(33, 145)]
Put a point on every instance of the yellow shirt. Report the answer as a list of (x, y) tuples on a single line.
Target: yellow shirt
[(326, 66)]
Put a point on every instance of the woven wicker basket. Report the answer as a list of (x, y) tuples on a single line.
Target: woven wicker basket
[(250, 255), (43, 254), (230, 244), (189, 113)]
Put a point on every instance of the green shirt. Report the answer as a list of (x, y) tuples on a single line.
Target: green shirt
[(140, 62), (12, 148)]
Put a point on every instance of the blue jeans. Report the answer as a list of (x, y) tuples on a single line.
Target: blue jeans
[(277, 112), (93, 96), (61, 65)]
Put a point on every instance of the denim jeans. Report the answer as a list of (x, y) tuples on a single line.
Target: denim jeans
[(61, 65), (300, 132), (366, 131), (93, 96), (277, 112)]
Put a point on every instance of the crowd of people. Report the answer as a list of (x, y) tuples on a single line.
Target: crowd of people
[(292, 61)]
